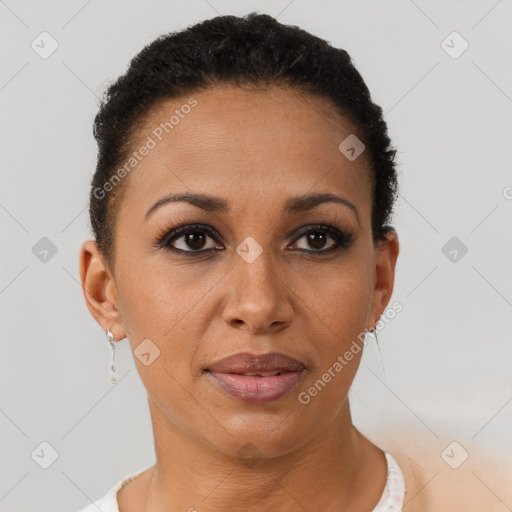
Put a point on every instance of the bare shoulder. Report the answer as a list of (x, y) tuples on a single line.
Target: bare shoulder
[(434, 486)]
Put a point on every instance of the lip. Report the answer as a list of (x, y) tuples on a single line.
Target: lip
[(245, 362), (231, 375)]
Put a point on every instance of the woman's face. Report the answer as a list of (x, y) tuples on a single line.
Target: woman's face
[(260, 269)]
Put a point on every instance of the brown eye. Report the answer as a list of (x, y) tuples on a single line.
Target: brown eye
[(322, 239), (194, 240), (190, 239), (317, 239)]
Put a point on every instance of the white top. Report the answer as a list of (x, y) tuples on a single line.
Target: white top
[(391, 500)]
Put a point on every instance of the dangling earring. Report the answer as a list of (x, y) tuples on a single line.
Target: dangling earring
[(113, 375), (374, 332)]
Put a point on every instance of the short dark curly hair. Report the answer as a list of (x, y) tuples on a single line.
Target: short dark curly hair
[(253, 50)]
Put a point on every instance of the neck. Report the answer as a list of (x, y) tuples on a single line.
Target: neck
[(337, 469)]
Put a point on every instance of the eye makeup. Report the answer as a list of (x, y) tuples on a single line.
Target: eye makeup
[(194, 234)]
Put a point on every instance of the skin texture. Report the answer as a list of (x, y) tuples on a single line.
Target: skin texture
[(254, 149)]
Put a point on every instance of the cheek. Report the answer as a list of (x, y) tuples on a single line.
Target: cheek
[(338, 306), (337, 332), (168, 306), (158, 310), (339, 294), (344, 316), (155, 298)]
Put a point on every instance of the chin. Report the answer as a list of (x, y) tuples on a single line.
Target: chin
[(258, 434)]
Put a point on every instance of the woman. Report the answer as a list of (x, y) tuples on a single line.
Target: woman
[(239, 206)]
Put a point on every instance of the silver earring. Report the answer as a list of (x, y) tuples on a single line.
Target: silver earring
[(113, 374), (374, 332)]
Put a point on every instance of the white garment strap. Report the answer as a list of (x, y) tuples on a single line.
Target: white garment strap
[(392, 498)]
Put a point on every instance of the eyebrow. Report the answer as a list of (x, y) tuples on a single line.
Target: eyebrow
[(216, 204)]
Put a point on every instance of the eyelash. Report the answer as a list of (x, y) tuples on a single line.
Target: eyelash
[(168, 235)]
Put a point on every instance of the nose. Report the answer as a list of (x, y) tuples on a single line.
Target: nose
[(259, 301)]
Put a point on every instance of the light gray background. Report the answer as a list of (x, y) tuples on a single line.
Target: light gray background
[(445, 373)]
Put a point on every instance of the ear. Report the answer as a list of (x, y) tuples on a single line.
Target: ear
[(386, 254), (99, 290)]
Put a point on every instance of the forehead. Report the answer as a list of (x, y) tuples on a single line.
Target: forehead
[(243, 144)]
